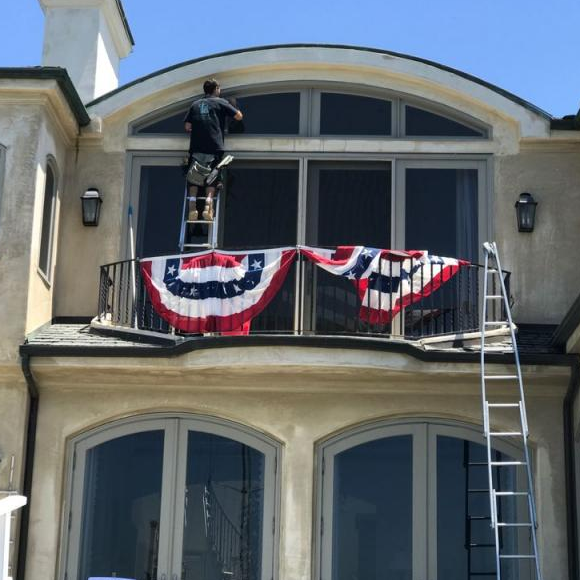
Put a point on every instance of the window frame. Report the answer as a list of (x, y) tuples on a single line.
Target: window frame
[(424, 484), (176, 427), (483, 163), (309, 120), (46, 274)]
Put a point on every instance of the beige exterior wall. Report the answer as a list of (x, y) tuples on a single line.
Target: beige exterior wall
[(298, 396), (35, 124), (544, 264), (523, 156)]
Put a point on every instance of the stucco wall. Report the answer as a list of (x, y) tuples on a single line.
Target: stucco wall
[(544, 263), (311, 396)]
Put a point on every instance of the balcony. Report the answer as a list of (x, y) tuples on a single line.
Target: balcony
[(311, 301)]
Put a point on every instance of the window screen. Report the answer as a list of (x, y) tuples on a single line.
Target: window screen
[(421, 123), (342, 114)]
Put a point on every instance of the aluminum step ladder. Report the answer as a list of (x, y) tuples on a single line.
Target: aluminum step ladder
[(493, 318), (197, 234)]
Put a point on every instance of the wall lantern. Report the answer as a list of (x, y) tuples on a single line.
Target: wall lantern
[(526, 212), (91, 200)]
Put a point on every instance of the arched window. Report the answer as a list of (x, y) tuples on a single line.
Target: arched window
[(48, 218), (175, 497), (326, 111), (410, 501)]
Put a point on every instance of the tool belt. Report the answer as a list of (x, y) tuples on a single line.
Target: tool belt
[(200, 168)]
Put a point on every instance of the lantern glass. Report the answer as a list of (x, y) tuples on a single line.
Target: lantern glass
[(526, 212), (91, 203)]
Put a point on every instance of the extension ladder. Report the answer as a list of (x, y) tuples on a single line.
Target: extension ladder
[(197, 234), (493, 273)]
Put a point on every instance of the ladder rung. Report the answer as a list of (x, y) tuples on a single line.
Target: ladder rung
[(505, 434), (199, 221), (479, 518), (494, 297), (508, 493), (514, 525), (503, 405), (492, 271), (197, 245), (482, 545), (502, 463), (495, 323), (518, 556), (500, 377)]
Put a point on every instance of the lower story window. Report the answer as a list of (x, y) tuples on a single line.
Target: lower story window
[(174, 498), (408, 502)]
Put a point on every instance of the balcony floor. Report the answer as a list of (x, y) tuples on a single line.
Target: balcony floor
[(78, 339)]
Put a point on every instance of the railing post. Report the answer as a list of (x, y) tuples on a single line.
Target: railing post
[(7, 506)]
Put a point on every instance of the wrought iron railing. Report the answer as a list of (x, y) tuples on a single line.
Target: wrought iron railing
[(312, 301)]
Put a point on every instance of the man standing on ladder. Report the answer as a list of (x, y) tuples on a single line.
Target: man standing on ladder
[(205, 122)]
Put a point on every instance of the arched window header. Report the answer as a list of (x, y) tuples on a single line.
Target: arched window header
[(331, 110)]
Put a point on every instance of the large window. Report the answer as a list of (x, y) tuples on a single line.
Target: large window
[(48, 218), (410, 501), (327, 111), (176, 498)]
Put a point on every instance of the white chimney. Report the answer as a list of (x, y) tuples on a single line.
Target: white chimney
[(88, 38)]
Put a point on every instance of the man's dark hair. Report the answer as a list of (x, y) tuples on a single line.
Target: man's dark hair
[(210, 86)]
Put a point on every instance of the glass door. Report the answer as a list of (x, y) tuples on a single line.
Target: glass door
[(224, 515), (172, 499), (348, 204)]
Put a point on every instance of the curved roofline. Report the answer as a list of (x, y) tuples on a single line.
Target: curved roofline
[(477, 80)]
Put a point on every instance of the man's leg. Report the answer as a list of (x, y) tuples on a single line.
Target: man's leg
[(208, 210), (192, 204)]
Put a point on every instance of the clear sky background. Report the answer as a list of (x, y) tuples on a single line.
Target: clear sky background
[(528, 47)]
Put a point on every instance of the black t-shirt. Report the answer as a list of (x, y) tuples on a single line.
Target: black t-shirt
[(208, 119)]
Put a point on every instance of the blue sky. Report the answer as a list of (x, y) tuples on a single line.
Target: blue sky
[(528, 47)]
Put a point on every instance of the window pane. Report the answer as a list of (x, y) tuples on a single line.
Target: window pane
[(161, 195), (372, 511), (44, 260), (348, 205), (441, 212), (268, 114), (354, 115), (465, 540), (170, 125), (121, 507), (222, 536), (419, 122), (260, 205)]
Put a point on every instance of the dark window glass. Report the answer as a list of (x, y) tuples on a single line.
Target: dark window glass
[(170, 125), (441, 212), (349, 206), (354, 115), (260, 207), (373, 511), (465, 540), (421, 123), (277, 113), (222, 532), (44, 261), (121, 507), (161, 196)]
